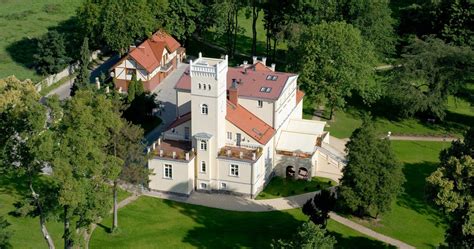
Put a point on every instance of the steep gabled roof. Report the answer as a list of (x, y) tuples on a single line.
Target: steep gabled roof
[(149, 53), (249, 123)]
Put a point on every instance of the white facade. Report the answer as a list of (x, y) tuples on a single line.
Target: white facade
[(227, 157)]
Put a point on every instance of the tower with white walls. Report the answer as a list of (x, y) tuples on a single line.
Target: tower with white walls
[(208, 112)]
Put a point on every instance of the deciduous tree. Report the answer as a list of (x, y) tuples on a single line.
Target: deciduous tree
[(372, 177), (334, 61), (181, 18), (451, 187), (308, 236), (5, 233)]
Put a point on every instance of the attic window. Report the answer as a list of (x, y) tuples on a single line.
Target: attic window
[(272, 77), (265, 89)]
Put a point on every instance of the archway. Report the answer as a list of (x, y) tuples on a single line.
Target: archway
[(290, 172), (303, 173)]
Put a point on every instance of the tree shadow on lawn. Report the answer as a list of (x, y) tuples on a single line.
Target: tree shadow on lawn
[(227, 229), (414, 196)]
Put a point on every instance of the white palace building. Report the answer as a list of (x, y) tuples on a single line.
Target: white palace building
[(237, 127)]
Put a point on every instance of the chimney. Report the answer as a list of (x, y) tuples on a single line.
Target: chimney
[(273, 67), (245, 63), (254, 58), (234, 92), (264, 60), (200, 55)]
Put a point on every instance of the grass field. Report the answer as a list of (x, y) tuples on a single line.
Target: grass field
[(20, 22), (281, 187), (154, 223), (412, 219), (26, 230), (460, 115)]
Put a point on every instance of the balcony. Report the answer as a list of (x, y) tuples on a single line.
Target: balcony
[(167, 67), (240, 153), (170, 149)]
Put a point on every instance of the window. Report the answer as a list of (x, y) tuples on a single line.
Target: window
[(199, 85), (203, 185), (223, 185), (204, 109), (260, 103), (209, 87), (203, 167), (264, 89), (168, 171), (203, 145), (204, 85), (234, 170), (131, 71), (272, 77), (229, 135)]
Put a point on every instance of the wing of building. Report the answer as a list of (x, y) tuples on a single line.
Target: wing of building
[(236, 128), (151, 61)]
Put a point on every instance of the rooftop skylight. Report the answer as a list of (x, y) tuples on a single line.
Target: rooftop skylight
[(265, 89), (272, 77)]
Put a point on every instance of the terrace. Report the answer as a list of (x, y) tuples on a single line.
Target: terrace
[(177, 150), (240, 153)]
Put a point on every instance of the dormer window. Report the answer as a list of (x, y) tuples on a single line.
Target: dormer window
[(272, 77), (265, 89), (204, 109)]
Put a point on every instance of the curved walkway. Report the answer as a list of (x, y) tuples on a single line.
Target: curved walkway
[(236, 203)]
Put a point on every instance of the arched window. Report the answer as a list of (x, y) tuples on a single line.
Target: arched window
[(204, 109), (203, 145), (203, 167), (199, 85), (209, 87), (204, 85)]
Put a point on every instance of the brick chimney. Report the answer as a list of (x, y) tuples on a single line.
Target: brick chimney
[(264, 60), (234, 92)]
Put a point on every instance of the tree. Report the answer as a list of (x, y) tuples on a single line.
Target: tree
[(372, 177), (373, 19), (23, 122), (5, 233), (318, 207), (431, 71), (89, 15), (125, 21), (81, 165), (226, 22), (255, 8), (451, 187), (334, 61), (83, 78), (127, 145), (132, 88), (181, 18), (455, 21), (274, 22), (308, 236), (51, 56)]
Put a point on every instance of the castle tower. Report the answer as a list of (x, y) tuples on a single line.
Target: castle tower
[(208, 112)]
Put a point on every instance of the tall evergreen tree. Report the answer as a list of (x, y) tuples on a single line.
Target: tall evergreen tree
[(83, 77), (318, 207), (308, 236), (372, 177)]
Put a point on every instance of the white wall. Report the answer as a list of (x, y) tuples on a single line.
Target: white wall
[(121, 72), (327, 167), (178, 133), (183, 175), (183, 102), (246, 139), (240, 184), (286, 103), (265, 112)]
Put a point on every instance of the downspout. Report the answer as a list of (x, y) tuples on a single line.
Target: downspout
[(251, 180)]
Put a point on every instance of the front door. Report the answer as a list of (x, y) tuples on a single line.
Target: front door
[(186, 133), (239, 138)]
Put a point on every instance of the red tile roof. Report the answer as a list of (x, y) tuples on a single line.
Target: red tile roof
[(251, 82), (149, 53), (180, 120), (249, 123)]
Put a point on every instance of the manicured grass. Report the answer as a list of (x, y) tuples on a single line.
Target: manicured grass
[(20, 22), (281, 187), (412, 218), (26, 230), (460, 114), (154, 223)]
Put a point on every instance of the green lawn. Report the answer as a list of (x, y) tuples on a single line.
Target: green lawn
[(281, 187), (460, 114), (22, 20), (26, 230), (412, 219), (154, 223)]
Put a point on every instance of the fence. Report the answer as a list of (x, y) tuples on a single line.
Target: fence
[(68, 71)]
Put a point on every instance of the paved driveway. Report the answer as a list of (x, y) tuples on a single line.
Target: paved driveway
[(166, 94)]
